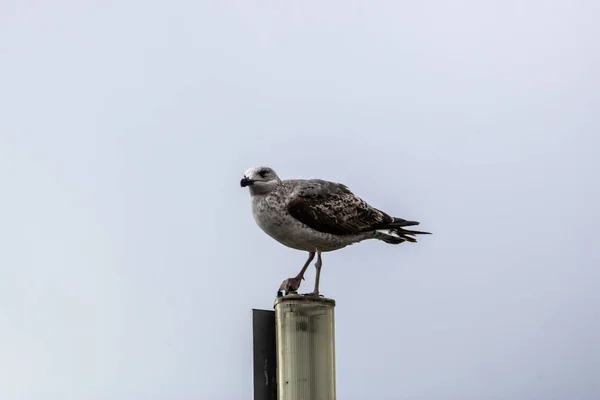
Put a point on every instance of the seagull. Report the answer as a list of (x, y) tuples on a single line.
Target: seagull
[(317, 216)]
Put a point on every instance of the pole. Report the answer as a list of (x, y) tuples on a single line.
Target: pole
[(305, 347), (264, 357)]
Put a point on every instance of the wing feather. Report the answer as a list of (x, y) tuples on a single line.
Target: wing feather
[(332, 208)]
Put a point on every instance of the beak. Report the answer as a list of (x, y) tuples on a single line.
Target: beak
[(246, 182)]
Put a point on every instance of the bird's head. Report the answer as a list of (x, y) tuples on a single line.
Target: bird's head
[(260, 179)]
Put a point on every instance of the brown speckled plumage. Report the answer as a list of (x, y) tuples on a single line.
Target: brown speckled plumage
[(318, 216)]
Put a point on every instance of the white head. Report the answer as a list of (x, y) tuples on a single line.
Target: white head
[(260, 180)]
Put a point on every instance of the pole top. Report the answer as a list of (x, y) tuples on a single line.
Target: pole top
[(305, 299)]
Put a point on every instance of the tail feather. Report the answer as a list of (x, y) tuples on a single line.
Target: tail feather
[(394, 233), (399, 222), (415, 232)]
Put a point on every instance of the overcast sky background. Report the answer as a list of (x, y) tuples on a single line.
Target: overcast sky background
[(130, 260)]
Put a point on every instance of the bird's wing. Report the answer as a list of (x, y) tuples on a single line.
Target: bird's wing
[(332, 208)]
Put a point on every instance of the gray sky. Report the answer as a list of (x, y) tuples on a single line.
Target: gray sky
[(130, 259)]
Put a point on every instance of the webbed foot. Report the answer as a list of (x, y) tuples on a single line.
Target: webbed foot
[(291, 285)]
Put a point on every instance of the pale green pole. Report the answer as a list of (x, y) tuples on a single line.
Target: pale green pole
[(305, 338)]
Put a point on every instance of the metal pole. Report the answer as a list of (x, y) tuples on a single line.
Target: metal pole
[(264, 358), (305, 348)]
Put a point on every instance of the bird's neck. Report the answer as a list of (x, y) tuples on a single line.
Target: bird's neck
[(261, 190)]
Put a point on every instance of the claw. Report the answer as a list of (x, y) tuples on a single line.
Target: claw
[(291, 285)]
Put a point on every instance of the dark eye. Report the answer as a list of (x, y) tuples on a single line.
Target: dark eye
[(263, 173)]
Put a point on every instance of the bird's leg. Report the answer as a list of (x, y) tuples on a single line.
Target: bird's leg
[(318, 266), (292, 284)]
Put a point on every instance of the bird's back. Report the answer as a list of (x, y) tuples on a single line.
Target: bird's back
[(313, 188)]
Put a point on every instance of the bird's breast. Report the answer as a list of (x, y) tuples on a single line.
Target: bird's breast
[(269, 213), (272, 217)]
